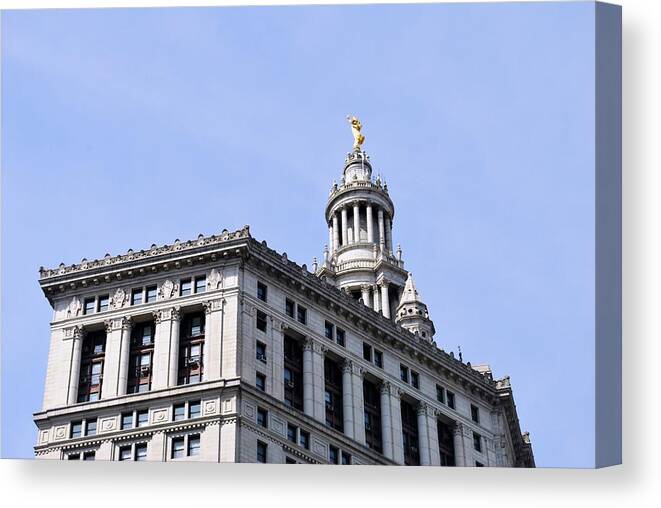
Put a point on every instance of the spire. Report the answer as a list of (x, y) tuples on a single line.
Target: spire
[(412, 312), (410, 293)]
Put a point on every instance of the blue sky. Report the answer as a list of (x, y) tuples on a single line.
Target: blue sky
[(122, 128)]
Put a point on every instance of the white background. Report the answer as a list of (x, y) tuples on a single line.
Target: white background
[(636, 483)]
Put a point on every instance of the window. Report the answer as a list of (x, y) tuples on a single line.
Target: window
[(200, 284), (477, 442), (73, 456), (340, 337), (450, 399), (261, 452), (346, 459), (415, 379), (143, 418), (404, 373), (141, 452), (76, 429), (304, 439), (88, 307), (136, 296), (90, 428), (289, 308), (367, 352), (261, 291), (260, 381), (191, 349), (179, 412), (140, 357), (193, 445), (125, 453), (328, 330), (475, 413), (89, 456), (151, 292), (372, 415), (127, 421), (333, 454), (440, 394), (378, 358), (289, 460), (194, 409), (185, 287), (178, 449), (478, 464), (261, 321), (103, 303), (445, 443), (293, 373), (410, 434), (333, 394), (91, 366), (301, 314), (260, 351), (292, 430), (262, 417)]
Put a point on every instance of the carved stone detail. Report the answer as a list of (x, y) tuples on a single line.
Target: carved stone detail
[(167, 290), (74, 308), (119, 299), (214, 279)]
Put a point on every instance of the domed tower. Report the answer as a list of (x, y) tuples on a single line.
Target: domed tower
[(359, 257), (412, 313)]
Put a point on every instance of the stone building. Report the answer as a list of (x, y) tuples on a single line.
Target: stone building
[(221, 349)]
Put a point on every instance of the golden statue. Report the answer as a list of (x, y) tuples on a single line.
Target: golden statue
[(358, 138)]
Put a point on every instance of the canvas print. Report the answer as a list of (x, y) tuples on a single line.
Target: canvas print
[(352, 235)]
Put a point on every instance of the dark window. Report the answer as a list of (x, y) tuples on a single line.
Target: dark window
[(191, 349), (73, 456), (328, 330), (152, 292), (260, 351), (440, 394), (333, 454), (289, 460), (125, 453), (404, 373), (304, 439), (91, 366), (415, 379), (89, 306), (262, 417), (193, 445), (291, 432), (367, 352), (301, 314), (378, 358), (185, 287), (178, 449), (143, 418), (136, 296), (475, 413), (293, 373), (127, 421), (340, 337), (478, 464), (450, 399), (260, 381), (76, 429), (141, 452), (261, 452), (372, 415), (410, 434), (200, 284), (140, 358), (261, 291), (194, 409), (89, 455), (179, 412), (289, 308), (346, 459), (261, 321), (90, 428), (333, 395), (104, 301), (445, 443), (477, 442)]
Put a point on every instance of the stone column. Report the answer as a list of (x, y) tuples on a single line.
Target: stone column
[(345, 232), (386, 420), (385, 299), (358, 405), (397, 435), (275, 359), (388, 228), (365, 290), (382, 234), (356, 222), (174, 347), (213, 334), (423, 435), (319, 388), (308, 387), (78, 336), (432, 430), (459, 454), (112, 358), (370, 225), (124, 350), (330, 235), (347, 397), (336, 234), (377, 299)]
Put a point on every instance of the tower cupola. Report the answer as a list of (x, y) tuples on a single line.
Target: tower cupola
[(412, 312)]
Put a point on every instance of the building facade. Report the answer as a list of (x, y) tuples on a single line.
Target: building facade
[(221, 349)]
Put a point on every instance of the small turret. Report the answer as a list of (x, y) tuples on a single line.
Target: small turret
[(412, 313)]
